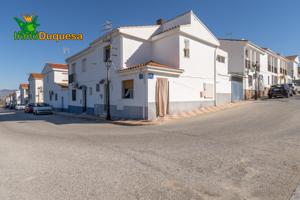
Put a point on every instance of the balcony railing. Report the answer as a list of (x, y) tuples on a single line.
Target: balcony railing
[(269, 68), (247, 64)]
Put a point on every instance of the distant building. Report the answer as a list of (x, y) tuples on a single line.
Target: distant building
[(293, 67), (56, 86), (36, 85), (24, 90)]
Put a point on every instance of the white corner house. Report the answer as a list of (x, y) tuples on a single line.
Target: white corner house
[(56, 86), (156, 70), (24, 87), (293, 65), (36, 94)]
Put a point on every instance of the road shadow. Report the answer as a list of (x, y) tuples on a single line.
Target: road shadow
[(7, 115)]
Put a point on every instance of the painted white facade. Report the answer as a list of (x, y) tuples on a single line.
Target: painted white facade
[(36, 87), (56, 86), (293, 66), (223, 79), (246, 60), (24, 93), (17, 97), (181, 50)]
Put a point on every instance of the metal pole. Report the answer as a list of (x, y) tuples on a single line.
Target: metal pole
[(108, 117)]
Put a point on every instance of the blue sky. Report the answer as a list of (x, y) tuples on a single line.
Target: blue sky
[(268, 23)]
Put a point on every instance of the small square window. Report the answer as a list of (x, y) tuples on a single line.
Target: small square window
[(83, 65), (221, 59), (127, 89), (186, 53), (98, 87)]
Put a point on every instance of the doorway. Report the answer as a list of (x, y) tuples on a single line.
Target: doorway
[(62, 104), (162, 97), (84, 99)]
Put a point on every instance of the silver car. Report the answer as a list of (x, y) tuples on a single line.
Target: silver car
[(42, 108)]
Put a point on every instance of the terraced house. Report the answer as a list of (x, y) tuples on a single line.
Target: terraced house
[(36, 87), (24, 87), (245, 61), (293, 65), (150, 71), (55, 83)]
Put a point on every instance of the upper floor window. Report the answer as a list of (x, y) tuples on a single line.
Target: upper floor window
[(83, 65), (73, 68), (247, 53), (221, 59), (186, 48), (107, 53)]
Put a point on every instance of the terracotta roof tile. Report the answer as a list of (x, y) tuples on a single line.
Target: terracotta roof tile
[(149, 63), (292, 58), (63, 85), (24, 85), (58, 66), (37, 76)]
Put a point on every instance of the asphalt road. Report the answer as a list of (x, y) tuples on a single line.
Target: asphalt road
[(249, 152)]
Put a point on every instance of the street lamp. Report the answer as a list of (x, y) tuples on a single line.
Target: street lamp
[(108, 65), (257, 80)]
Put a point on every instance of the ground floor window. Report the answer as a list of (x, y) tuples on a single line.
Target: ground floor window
[(127, 89), (73, 95), (250, 81)]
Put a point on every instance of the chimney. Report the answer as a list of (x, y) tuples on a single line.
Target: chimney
[(160, 21)]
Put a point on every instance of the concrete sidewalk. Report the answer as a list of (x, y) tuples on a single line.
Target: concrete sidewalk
[(169, 118)]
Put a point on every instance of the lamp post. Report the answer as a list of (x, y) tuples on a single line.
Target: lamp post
[(257, 81), (108, 65)]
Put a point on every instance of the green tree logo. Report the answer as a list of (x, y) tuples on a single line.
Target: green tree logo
[(29, 25)]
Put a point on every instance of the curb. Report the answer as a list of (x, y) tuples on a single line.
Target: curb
[(182, 115)]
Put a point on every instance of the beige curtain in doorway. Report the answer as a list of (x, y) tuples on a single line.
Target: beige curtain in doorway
[(162, 97)]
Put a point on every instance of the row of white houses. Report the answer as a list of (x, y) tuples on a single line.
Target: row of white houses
[(144, 72)]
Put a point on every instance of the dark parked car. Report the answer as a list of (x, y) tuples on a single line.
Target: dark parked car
[(282, 90), (29, 108)]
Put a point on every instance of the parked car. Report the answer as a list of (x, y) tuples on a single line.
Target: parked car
[(297, 86), (29, 108), (282, 90), (12, 106), (42, 108), (293, 88), (20, 107)]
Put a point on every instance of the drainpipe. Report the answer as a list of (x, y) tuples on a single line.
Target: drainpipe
[(215, 77)]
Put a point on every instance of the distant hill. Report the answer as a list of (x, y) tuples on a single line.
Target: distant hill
[(5, 92)]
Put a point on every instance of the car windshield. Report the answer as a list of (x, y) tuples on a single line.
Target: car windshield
[(277, 86), (42, 105)]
